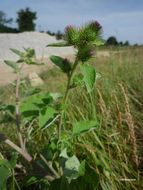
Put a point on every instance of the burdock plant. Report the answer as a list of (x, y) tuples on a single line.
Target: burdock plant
[(84, 40), (47, 111)]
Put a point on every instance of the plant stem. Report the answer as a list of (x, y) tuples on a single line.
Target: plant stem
[(24, 153), (17, 96), (39, 169), (66, 96)]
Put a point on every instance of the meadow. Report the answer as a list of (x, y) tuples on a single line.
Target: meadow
[(99, 143)]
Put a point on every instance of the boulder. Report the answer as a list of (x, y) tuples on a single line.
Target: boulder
[(35, 80)]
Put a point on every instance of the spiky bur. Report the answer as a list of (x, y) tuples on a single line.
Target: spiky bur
[(71, 35), (84, 39)]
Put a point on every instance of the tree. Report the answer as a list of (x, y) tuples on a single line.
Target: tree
[(112, 41), (4, 20), (25, 20), (126, 43), (59, 35)]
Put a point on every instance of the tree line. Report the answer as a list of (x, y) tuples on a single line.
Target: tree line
[(26, 22)]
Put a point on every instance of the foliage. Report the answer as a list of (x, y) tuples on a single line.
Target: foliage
[(25, 20), (3, 19), (62, 140), (59, 35), (4, 24), (112, 41)]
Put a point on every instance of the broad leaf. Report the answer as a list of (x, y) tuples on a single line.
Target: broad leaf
[(28, 108), (77, 80), (89, 76), (81, 169), (55, 95), (45, 115), (32, 91), (64, 64), (19, 53), (30, 52), (72, 168), (99, 42), (60, 44), (72, 163), (12, 64), (84, 126), (4, 173), (64, 154)]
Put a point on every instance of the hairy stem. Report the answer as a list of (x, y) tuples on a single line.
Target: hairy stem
[(37, 167), (17, 96), (66, 95)]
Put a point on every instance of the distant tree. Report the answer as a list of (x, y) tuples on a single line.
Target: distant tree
[(51, 33), (126, 43), (59, 35), (4, 20), (120, 43), (25, 20), (112, 41)]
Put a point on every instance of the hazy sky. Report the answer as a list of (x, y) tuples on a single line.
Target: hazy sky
[(121, 18)]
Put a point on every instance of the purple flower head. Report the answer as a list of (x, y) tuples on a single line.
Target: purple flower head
[(71, 34), (95, 26), (98, 25), (69, 28)]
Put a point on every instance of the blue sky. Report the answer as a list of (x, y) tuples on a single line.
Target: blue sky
[(123, 19)]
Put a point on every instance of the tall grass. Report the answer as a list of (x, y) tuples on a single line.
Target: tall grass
[(114, 149)]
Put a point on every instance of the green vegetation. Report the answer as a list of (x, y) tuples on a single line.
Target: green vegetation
[(25, 20), (4, 23), (88, 136)]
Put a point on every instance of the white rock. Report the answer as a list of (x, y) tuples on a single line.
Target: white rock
[(35, 80)]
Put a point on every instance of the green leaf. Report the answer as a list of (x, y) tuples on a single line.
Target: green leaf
[(30, 61), (8, 111), (13, 160), (30, 52), (45, 115), (32, 91), (64, 154), (77, 80), (55, 95), (12, 64), (99, 42), (89, 76), (72, 163), (60, 44), (71, 168), (64, 64), (29, 108), (19, 53), (4, 173), (81, 170), (84, 126), (10, 108), (33, 104)]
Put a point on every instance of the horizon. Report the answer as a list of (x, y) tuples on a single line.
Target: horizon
[(120, 19)]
